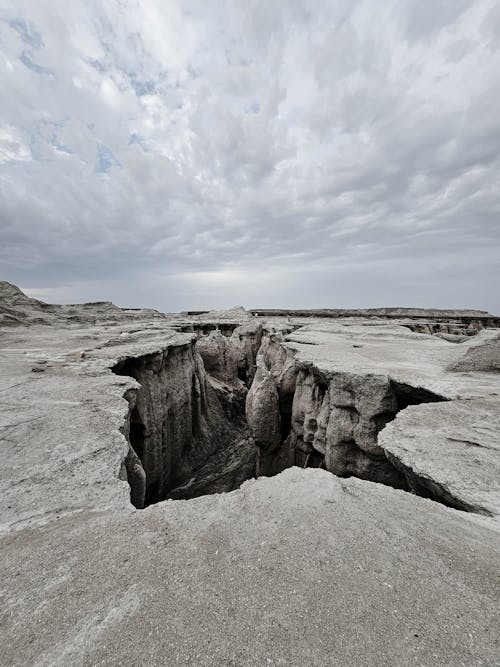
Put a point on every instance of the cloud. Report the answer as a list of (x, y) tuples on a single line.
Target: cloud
[(26, 58), (421, 23), (27, 32), (13, 146), (190, 155)]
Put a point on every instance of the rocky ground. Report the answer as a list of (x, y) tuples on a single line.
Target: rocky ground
[(317, 490)]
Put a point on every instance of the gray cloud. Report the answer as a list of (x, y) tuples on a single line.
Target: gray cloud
[(188, 155), (422, 21)]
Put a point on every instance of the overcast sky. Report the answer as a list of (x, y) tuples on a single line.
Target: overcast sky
[(203, 153)]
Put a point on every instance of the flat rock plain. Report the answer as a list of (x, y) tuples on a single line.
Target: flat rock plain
[(303, 568)]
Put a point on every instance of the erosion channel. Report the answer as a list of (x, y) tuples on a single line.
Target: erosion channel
[(236, 403)]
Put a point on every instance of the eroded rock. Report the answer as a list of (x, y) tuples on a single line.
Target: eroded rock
[(483, 354), (179, 430), (355, 570)]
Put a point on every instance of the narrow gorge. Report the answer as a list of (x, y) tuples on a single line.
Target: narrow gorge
[(236, 403)]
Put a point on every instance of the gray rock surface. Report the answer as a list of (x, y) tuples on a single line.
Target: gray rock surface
[(221, 357), (414, 369), (453, 447), (262, 410), (303, 568), (299, 569), (482, 355)]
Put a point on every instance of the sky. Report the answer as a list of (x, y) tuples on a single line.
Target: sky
[(206, 153)]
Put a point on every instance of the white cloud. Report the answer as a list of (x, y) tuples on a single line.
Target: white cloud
[(13, 146), (150, 141)]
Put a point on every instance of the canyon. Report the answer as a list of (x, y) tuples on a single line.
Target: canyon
[(249, 487)]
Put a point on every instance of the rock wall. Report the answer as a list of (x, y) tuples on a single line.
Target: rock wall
[(453, 330), (230, 358), (269, 404), (188, 441), (305, 417), (337, 418)]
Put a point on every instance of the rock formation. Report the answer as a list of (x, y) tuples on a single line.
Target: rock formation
[(370, 536), (482, 355), (178, 428)]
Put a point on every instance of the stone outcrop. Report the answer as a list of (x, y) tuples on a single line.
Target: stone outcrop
[(263, 416), (302, 416), (186, 426), (269, 403), (17, 309), (387, 313), (189, 418), (422, 320), (247, 338), (482, 355), (449, 451), (222, 359), (339, 418), (300, 568)]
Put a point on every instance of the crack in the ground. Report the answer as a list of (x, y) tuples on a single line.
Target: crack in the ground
[(190, 433)]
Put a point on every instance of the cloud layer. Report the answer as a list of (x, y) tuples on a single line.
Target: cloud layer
[(198, 154)]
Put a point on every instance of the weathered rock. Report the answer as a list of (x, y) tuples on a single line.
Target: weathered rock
[(450, 450), (483, 354), (269, 404), (221, 356), (247, 338), (453, 338), (262, 409), (179, 430), (335, 423), (298, 569), (17, 309), (135, 475)]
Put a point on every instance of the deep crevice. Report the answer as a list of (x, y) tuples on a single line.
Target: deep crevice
[(407, 395), (187, 434), (193, 440), (137, 433)]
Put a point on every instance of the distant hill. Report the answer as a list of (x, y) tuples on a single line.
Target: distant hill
[(18, 309), (434, 313)]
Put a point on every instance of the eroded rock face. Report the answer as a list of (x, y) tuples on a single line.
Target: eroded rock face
[(195, 427), (133, 472), (179, 430), (187, 428), (247, 338), (269, 403), (263, 416), (302, 416), (17, 309), (280, 361), (336, 421), (221, 356), (298, 414), (482, 355), (450, 452)]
